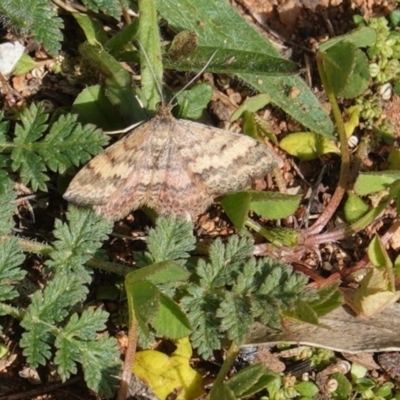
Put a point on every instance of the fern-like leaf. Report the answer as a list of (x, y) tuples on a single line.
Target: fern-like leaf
[(67, 145), (70, 144), (101, 365), (225, 262), (23, 157), (37, 17), (234, 291), (11, 258), (236, 316), (78, 241), (73, 341), (201, 308), (110, 7), (171, 239), (7, 205), (45, 311)]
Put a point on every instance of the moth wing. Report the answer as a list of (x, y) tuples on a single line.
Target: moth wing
[(224, 161), (97, 181), (173, 188)]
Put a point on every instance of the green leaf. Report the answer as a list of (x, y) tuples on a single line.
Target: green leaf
[(328, 299), (354, 208), (118, 84), (267, 204), (70, 342), (24, 65), (308, 389), (7, 205), (344, 386), (24, 158), (46, 309), (370, 182), (193, 102), (151, 68), (378, 254), (171, 321), (109, 7), (307, 146), (144, 298), (360, 37), (237, 207), (122, 39), (304, 313), (273, 205), (257, 128), (93, 107), (172, 239), (101, 365), (93, 30), (230, 61), (77, 241), (201, 308), (37, 17), (394, 17), (70, 144), (252, 104), (223, 28), (260, 291), (347, 69), (250, 380), (279, 236), (158, 273), (236, 316), (221, 391), (11, 258)]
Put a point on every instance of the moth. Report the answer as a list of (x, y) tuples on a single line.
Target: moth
[(174, 166)]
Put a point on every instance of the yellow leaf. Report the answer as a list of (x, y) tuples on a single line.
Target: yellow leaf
[(307, 145), (164, 374), (375, 292)]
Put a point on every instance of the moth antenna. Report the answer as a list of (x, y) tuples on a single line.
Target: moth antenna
[(158, 85), (195, 77)]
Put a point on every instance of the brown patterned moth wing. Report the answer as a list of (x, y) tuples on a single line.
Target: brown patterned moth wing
[(174, 190), (104, 180), (224, 161)]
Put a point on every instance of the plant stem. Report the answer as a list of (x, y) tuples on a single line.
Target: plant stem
[(327, 214), (30, 246), (357, 226), (226, 366)]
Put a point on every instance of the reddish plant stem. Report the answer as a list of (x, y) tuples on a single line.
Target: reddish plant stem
[(130, 354)]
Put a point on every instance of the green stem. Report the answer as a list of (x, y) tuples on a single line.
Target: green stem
[(30, 246), (226, 367), (259, 229), (327, 214)]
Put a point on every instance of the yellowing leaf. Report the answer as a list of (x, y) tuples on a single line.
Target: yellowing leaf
[(375, 292), (374, 303), (354, 120), (164, 374), (307, 145)]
